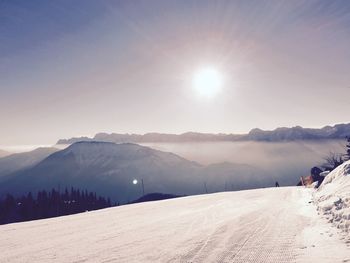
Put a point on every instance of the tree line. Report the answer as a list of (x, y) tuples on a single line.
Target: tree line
[(331, 161), (49, 204)]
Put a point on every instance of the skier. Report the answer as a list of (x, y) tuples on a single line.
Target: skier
[(277, 184)]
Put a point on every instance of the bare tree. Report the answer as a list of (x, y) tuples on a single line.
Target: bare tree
[(332, 161)]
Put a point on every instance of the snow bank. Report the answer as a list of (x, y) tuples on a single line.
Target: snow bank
[(333, 197)]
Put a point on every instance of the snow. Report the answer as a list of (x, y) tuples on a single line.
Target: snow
[(264, 225), (324, 174), (333, 198)]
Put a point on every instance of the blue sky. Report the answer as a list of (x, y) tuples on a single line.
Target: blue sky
[(70, 68)]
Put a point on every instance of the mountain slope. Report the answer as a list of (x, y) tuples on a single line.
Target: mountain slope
[(19, 161), (4, 153), (265, 225), (109, 169)]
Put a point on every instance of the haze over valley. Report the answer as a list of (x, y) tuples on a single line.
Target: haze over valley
[(175, 131), (195, 165)]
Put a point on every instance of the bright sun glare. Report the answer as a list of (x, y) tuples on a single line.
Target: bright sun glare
[(207, 82)]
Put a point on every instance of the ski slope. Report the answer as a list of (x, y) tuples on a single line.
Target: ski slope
[(265, 225)]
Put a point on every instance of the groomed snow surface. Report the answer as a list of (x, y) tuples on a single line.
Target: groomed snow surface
[(264, 225)]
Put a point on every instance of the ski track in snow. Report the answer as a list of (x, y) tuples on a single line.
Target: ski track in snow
[(265, 225)]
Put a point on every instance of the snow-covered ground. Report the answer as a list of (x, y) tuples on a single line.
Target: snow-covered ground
[(265, 225), (333, 198)]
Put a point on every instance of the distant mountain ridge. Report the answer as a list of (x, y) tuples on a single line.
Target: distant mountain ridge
[(18, 161), (338, 131)]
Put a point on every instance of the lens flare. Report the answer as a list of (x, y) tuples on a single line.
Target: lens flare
[(207, 82)]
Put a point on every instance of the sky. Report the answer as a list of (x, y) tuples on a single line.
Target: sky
[(73, 68)]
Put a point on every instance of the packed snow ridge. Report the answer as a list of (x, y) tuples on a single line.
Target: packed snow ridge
[(333, 197)]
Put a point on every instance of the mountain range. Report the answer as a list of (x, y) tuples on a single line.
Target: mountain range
[(109, 169), (338, 131)]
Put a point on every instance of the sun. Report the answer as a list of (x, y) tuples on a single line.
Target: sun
[(207, 82)]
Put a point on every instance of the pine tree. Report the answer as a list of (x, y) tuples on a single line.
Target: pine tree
[(49, 204), (347, 155)]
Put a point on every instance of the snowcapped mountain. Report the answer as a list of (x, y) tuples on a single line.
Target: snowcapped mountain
[(339, 131), (154, 137), (109, 169), (19, 161)]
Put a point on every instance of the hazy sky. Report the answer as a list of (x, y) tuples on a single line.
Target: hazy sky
[(71, 68)]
